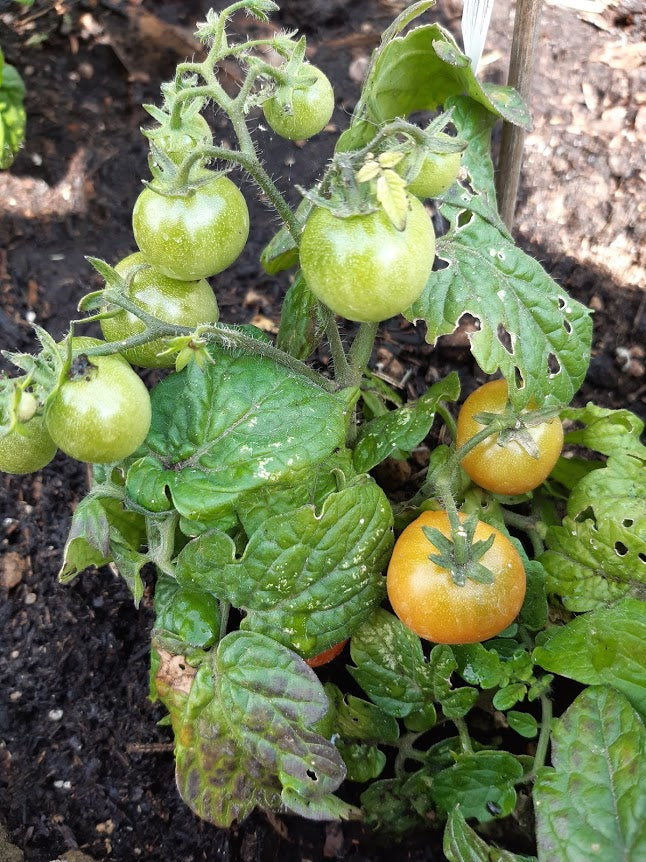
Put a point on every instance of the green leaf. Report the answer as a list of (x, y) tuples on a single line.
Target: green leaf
[(606, 431), (307, 579), (301, 326), (463, 844), (362, 762), (456, 702), (592, 804), (534, 612), (281, 252), (590, 565), (474, 124), (527, 324), (103, 531), (523, 723), (245, 739), (12, 114), (421, 71), (357, 719), (604, 647), (508, 696), (225, 429), (391, 194), (191, 616), (401, 430), (390, 665), (478, 665), (618, 492), (485, 777), (386, 807)]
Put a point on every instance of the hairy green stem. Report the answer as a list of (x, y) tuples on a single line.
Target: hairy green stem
[(447, 418), (463, 732), (544, 736), (528, 526)]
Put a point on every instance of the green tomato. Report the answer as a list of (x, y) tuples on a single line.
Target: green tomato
[(195, 235), (302, 111), (362, 267), (178, 143), (27, 447), (186, 303), (437, 174), (100, 412)]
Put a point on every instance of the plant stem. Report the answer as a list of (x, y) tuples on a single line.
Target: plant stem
[(341, 368), (447, 418), (465, 739), (544, 737), (361, 350), (528, 526)]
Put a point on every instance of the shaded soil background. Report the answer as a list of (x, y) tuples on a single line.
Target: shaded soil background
[(82, 762)]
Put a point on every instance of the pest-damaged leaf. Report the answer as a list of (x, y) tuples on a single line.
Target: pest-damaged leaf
[(307, 578), (616, 492), (420, 71), (591, 804), (402, 429), (245, 738), (463, 844), (231, 427), (102, 531), (528, 326), (479, 783), (605, 430), (590, 565), (603, 647)]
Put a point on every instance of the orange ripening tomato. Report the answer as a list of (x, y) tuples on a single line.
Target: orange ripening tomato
[(508, 468), (327, 655), (427, 599)]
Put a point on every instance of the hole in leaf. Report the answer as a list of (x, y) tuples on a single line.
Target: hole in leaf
[(562, 303), (642, 557), (627, 522), (311, 774), (505, 339), (464, 218), (520, 380), (439, 263), (620, 549), (567, 326), (584, 515), (553, 365)]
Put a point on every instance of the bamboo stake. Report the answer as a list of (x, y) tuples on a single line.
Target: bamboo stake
[(521, 69)]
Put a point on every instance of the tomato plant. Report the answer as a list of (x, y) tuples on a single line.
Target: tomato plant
[(100, 411), (186, 303), (26, 446), (507, 464), (362, 267), (193, 235), (297, 112), (428, 599), (248, 480)]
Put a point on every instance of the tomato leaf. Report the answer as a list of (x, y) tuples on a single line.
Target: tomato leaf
[(102, 531), (605, 431), (463, 844), (419, 72), (391, 194), (617, 492), (476, 783), (360, 720), (225, 429), (403, 429), (244, 738), (390, 665), (362, 762), (603, 647), (12, 113), (307, 578), (301, 325), (528, 325), (598, 749), (590, 565)]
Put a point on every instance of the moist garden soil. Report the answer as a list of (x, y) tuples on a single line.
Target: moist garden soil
[(83, 764)]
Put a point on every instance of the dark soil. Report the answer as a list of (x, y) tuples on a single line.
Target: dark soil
[(82, 761)]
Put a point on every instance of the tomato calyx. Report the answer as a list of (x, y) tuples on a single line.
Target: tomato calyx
[(459, 554), (510, 427)]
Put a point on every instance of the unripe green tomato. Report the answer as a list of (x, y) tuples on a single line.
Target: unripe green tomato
[(186, 303), (362, 267), (192, 236), (438, 173), (309, 110), (178, 143), (101, 412), (26, 448)]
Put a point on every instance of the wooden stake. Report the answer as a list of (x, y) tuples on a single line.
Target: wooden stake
[(521, 69)]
